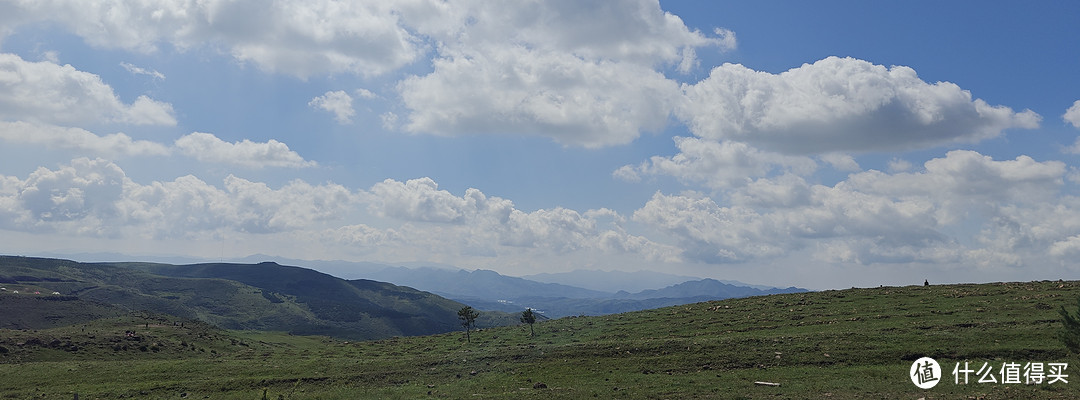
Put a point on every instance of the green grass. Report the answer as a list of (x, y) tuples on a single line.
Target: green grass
[(847, 344)]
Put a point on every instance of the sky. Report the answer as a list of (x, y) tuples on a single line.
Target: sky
[(824, 144)]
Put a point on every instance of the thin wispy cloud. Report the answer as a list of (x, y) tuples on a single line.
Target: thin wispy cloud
[(142, 71)]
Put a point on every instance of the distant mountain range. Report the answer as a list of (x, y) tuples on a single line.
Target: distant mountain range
[(489, 290), (264, 296), (615, 281), (483, 284), (580, 292), (612, 281)]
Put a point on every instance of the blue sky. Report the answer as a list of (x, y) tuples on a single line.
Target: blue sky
[(820, 144)]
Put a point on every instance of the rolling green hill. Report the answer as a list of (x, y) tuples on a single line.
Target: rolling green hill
[(264, 296), (845, 344)]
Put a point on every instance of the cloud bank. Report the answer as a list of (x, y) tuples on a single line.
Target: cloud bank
[(44, 92), (840, 104)]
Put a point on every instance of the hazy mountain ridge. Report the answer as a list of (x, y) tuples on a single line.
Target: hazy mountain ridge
[(480, 283), (489, 290), (704, 288), (616, 281), (612, 281), (264, 296)]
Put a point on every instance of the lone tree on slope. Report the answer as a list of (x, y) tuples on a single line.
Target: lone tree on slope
[(1070, 332), (468, 320), (528, 317)]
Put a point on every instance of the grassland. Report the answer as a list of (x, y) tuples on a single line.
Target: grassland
[(847, 344)]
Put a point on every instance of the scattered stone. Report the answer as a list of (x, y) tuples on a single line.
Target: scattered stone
[(539, 385)]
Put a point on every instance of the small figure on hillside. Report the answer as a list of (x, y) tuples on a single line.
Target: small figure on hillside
[(926, 282)]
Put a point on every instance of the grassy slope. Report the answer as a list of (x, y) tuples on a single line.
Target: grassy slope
[(374, 309), (235, 296), (845, 344)]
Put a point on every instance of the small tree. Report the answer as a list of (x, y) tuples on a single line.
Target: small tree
[(1070, 334), (468, 320), (528, 317)]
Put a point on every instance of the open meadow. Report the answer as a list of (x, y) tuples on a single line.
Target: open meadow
[(844, 344)]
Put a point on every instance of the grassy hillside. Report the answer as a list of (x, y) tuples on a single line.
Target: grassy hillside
[(847, 344), (262, 296)]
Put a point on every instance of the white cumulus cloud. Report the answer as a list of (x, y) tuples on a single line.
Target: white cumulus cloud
[(717, 164), (44, 92), (1072, 115), (52, 136), (486, 225), (584, 73), (923, 216), (636, 31), (969, 175), (840, 104), (207, 147), (421, 200), (337, 102), (94, 197), (86, 189), (581, 73), (712, 233), (301, 38), (516, 90)]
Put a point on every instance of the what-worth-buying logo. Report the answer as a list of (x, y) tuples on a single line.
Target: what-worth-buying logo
[(926, 373)]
